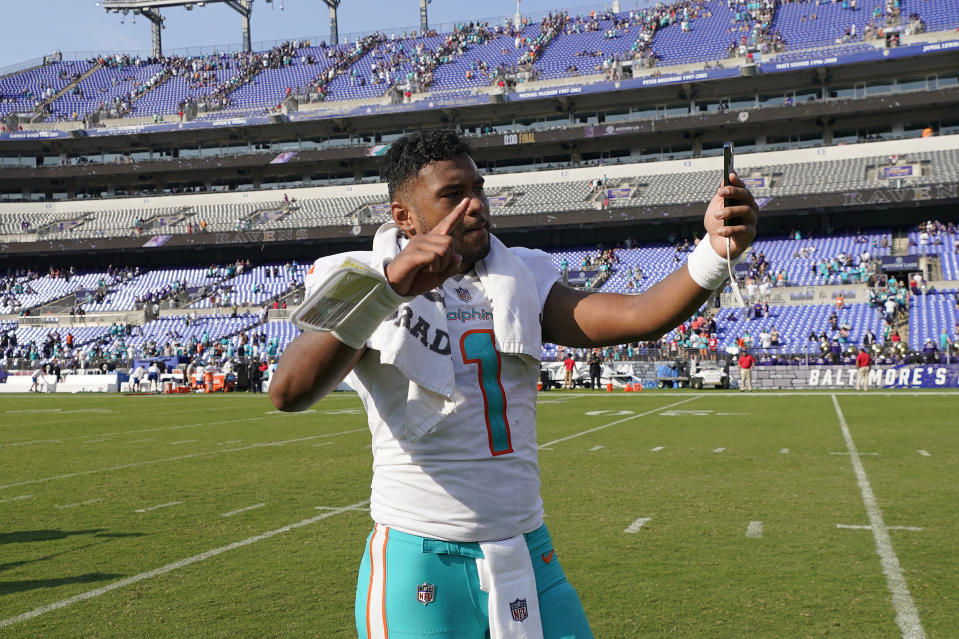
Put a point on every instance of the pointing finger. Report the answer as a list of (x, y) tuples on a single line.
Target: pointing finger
[(446, 225)]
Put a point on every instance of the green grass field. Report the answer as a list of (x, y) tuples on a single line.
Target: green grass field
[(193, 516)]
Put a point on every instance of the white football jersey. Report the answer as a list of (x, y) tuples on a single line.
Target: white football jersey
[(475, 477)]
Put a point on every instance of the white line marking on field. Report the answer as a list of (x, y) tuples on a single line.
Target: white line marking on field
[(79, 503), (158, 506), (17, 498), (925, 453), (140, 441), (33, 441), (183, 441), (719, 450), (242, 510), (322, 445), (754, 530), (597, 448), (657, 449), (286, 412), (94, 441), (232, 441), (907, 616), (731, 413), (171, 459), (784, 451), (859, 527), (634, 527), (162, 570), (359, 507), (618, 421), (860, 454)]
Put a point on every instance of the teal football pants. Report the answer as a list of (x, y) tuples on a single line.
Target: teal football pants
[(412, 586)]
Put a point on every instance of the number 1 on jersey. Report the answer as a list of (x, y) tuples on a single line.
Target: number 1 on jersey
[(478, 347)]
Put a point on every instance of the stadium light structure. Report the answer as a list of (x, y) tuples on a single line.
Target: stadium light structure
[(334, 29), (150, 9), (424, 19)]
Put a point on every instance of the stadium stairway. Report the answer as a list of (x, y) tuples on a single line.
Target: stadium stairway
[(40, 117)]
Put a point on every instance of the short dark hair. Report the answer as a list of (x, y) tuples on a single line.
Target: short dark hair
[(409, 154)]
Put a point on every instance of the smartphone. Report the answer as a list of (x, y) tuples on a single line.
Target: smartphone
[(729, 167)]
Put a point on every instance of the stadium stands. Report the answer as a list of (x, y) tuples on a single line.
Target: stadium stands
[(471, 57)]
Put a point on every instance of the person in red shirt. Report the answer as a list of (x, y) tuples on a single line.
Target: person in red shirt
[(570, 364), (746, 363), (863, 362)]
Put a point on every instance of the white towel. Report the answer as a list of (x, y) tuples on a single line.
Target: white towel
[(507, 282), (506, 573)]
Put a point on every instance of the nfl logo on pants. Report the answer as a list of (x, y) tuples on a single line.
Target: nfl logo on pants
[(518, 608), (425, 593)]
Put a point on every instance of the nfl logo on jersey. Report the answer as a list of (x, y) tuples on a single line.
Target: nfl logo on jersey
[(425, 593), (463, 294), (518, 608)]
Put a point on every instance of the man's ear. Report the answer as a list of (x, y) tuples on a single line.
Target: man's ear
[(402, 216)]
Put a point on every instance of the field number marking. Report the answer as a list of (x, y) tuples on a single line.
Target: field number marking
[(158, 506), (719, 450), (907, 615), (784, 451), (925, 453), (754, 530), (634, 527), (242, 510), (162, 570)]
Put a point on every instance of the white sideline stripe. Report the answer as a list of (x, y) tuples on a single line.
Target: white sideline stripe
[(754, 530), (183, 441), (170, 459), (855, 527), (634, 527), (242, 510), (719, 450), (17, 498), (784, 451), (597, 447), (79, 503), (158, 506), (907, 616), (618, 421), (657, 449), (162, 570), (925, 453), (151, 430)]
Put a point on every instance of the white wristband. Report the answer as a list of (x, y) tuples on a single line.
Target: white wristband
[(360, 325), (350, 303), (706, 267)]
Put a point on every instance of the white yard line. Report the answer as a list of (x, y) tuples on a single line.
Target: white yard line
[(162, 570), (158, 507), (618, 421), (172, 459), (597, 448), (861, 527), (79, 503), (17, 498), (634, 527), (907, 615), (242, 510), (754, 530), (183, 441)]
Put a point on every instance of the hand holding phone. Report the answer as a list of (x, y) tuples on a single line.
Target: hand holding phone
[(728, 167)]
